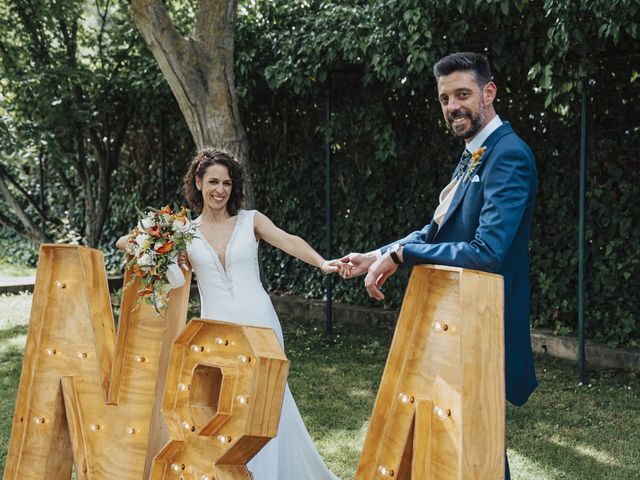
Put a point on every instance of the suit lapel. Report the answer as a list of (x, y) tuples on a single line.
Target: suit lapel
[(462, 190), (489, 143)]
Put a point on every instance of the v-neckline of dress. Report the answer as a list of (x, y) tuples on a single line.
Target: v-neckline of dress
[(224, 269)]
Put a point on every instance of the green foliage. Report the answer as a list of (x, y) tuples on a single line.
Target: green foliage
[(17, 251), (392, 154), (76, 77)]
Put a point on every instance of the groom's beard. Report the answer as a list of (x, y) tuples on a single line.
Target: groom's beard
[(475, 125)]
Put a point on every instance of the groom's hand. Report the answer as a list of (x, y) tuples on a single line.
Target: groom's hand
[(358, 264), (378, 273)]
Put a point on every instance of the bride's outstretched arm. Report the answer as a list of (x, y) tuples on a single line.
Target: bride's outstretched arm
[(266, 230)]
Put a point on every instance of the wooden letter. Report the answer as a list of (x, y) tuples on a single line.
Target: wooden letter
[(440, 409), (85, 396), (222, 400)]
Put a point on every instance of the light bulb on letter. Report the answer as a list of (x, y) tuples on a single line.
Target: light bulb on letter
[(385, 471), (405, 398), (441, 412), (244, 358)]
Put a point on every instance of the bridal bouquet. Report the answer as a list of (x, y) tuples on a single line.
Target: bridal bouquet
[(154, 245)]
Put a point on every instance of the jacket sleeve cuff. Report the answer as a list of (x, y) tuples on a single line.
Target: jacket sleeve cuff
[(409, 255)]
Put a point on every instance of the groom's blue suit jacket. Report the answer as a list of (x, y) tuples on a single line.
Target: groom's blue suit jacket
[(487, 228)]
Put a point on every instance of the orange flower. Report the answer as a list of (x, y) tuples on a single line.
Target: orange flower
[(476, 160), (155, 230), (167, 247), (165, 209), (148, 290)]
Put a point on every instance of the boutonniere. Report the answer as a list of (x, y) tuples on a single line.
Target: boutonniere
[(476, 160)]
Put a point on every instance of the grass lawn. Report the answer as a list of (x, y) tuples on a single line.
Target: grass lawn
[(564, 432), (11, 270)]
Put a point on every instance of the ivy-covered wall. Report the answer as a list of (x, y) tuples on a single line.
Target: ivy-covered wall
[(392, 155)]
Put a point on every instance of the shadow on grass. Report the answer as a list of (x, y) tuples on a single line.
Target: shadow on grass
[(579, 432), (13, 332), (570, 463)]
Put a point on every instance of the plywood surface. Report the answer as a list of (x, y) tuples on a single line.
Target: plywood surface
[(446, 356)]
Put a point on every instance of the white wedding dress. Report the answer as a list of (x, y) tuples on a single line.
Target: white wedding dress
[(237, 295)]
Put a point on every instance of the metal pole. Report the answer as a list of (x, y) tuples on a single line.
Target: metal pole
[(581, 232), (42, 188), (327, 206), (163, 173)]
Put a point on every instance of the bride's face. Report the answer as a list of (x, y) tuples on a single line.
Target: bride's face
[(215, 186)]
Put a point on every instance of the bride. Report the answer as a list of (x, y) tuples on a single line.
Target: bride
[(224, 257)]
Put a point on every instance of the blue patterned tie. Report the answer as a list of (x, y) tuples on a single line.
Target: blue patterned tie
[(463, 164)]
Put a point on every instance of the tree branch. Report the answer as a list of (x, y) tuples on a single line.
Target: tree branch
[(103, 24), (215, 23), (14, 227), (176, 57), (30, 227), (71, 203), (119, 139), (38, 45), (98, 145), (156, 27), (29, 198)]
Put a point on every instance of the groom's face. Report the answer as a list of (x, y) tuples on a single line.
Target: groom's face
[(465, 105)]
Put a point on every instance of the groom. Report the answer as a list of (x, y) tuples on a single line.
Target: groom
[(484, 214)]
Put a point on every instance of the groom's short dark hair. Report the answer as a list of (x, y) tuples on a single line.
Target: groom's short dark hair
[(464, 61)]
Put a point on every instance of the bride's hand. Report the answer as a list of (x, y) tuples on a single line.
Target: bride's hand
[(183, 263), (333, 266), (121, 244)]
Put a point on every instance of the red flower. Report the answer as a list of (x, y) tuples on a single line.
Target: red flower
[(167, 247), (155, 230)]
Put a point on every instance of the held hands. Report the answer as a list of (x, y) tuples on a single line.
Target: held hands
[(377, 270), (357, 264), (333, 266)]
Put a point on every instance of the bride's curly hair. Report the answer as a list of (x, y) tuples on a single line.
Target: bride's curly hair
[(203, 160)]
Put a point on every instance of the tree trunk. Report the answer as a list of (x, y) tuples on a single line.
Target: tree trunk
[(199, 70)]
